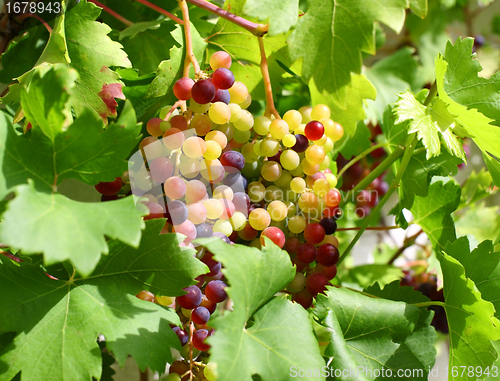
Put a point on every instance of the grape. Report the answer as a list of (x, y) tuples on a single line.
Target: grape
[(269, 147), (309, 168), (161, 169), (155, 211), (173, 139), (328, 255), (261, 125), (247, 102), (304, 298), (316, 283), (214, 170), (223, 226), (223, 78), (321, 187), (329, 224), (195, 190), (245, 122), (320, 111), (105, 198), (315, 154), (274, 234), (199, 340), (214, 208), (146, 296), (301, 143), (222, 96), (240, 138), (177, 211), (198, 108), (219, 112), (238, 221), (228, 210), (297, 184), (308, 202), (179, 368), (306, 114), (314, 233), (213, 150), (297, 224), (182, 88), (153, 127), (289, 140), (188, 229), (271, 171), (202, 124), (333, 130), (194, 147), (215, 291), (276, 157), (232, 159), (290, 159), (200, 315), (220, 59), (197, 213), (191, 299), (217, 136), (284, 181), (306, 253), (204, 230), (182, 335), (332, 197), (241, 202), (293, 118), (259, 219), (277, 210), (297, 284), (210, 371), (248, 153), (314, 130), (179, 122), (236, 181), (110, 188), (278, 128), (329, 271), (203, 91), (210, 306), (190, 168), (238, 92), (248, 233)]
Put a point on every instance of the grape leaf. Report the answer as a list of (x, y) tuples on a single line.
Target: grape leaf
[(359, 142), (463, 84), (148, 43), (57, 321), (357, 91), (281, 15), (433, 124), (470, 318), (419, 172), (367, 275), (482, 222), (393, 133), (31, 217), (477, 186), (476, 125), (378, 332), (48, 160), (279, 335), (419, 7), (433, 213), (390, 76), (332, 35), (481, 265)]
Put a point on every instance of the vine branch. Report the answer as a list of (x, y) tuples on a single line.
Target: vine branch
[(112, 13), (359, 157), (257, 29), (190, 58), (161, 10), (35, 16), (264, 68)]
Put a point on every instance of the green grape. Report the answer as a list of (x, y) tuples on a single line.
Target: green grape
[(321, 187), (210, 371), (332, 179), (297, 224), (235, 112), (278, 128), (165, 125), (315, 154), (219, 112), (291, 209), (247, 102), (297, 171), (173, 376), (223, 226), (256, 191), (261, 125), (289, 140), (269, 147), (248, 153), (164, 111), (277, 210), (245, 122), (293, 118), (297, 284), (271, 171), (238, 92), (238, 221), (241, 136), (273, 193), (325, 163), (290, 159), (279, 224), (306, 114), (284, 181), (259, 219), (213, 151), (328, 146), (298, 184), (320, 111), (256, 148), (252, 170), (256, 243), (214, 208), (198, 108), (227, 129)]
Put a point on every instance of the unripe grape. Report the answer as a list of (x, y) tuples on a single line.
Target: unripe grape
[(256, 191), (306, 114), (197, 107), (297, 284), (320, 111), (297, 224), (261, 125), (289, 140), (220, 59), (277, 210), (245, 122), (290, 159), (247, 102), (298, 184), (235, 112), (219, 113), (278, 129), (223, 226), (269, 147), (284, 181), (238, 92), (293, 118)]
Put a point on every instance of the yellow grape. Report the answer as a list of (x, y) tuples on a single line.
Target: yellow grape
[(306, 114), (238, 92), (223, 226), (259, 219), (270, 171), (300, 129), (238, 221), (256, 191), (332, 179), (278, 129), (235, 112), (223, 191), (245, 122), (298, 184), (308, 202), (277, 210), (248, 153), (261, 125), (198, 108), (293, 118), (246, 102), (321, 186), (284, 181), (219, 112), (297, 171), (214, 208), (315, 154), (290, 159), (297, 224), (321, 141), (269, 147), (289, 140), (213, 150), (320, 111), (218, 137)]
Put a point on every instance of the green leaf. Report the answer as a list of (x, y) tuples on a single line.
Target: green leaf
[(359, 142), (390, 76), (481, 265), (332, 35), (477, 186), (357, 91), (419, 7), (433, 213), (377, 332), (31, 217), (470, 318), (148, 43), (101, 155), (433, 124), (419, 173), (57, 321), (393, 133), (367, 275), (279, 334), (281, 15), (474, 123), (482, 222)]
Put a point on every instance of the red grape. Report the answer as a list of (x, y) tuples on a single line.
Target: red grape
[(210, 306), (329, 224), (203, 91), (275, 235), (182, 88), (314, 130), (222, 96), (304, 298), (314, 233), (200, 315), (215, 292), (306, 253), (179, 122), (110, 188), (199, 338), (316, 283), (190, 300), (223, 78), (233, 159), (328, 255)]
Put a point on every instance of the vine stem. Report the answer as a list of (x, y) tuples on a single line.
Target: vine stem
[(35, 16), (431, 303), (191, 333), (359, 157), (407, 243), (112, 13), (395, 183), (256, 29), (432, 93), (264, 68), (372, 228), (161, 10), (190, 58)]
